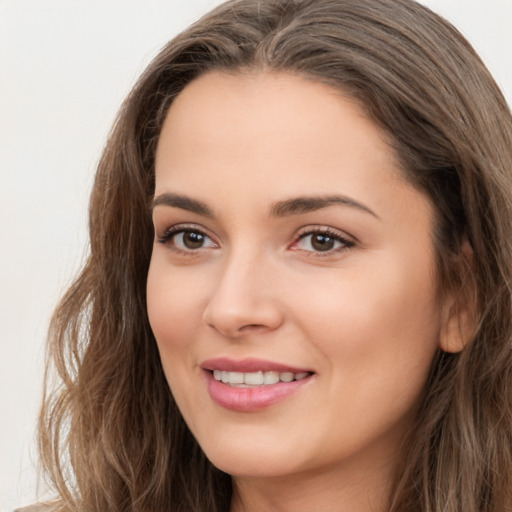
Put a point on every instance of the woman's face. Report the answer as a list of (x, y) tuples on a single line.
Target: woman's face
[(294, 261)]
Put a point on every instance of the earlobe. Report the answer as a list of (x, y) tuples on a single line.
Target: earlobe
[(460, 318), (458, 330)]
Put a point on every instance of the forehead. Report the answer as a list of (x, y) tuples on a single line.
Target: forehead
[(270, 124)]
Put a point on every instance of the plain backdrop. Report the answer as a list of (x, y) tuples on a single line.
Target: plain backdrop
[(65, 66)]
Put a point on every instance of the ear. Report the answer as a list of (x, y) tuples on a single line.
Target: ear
[(460, 307)]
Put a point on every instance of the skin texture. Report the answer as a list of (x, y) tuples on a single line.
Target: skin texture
[(365, 317)]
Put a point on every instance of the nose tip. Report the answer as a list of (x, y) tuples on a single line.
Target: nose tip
[(243, 303), (235, 324), (242, 320)]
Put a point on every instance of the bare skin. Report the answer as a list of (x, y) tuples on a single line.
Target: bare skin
[(286, 232)]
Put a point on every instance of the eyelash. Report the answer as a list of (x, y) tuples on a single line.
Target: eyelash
[(346, 243), (171, 232), (328, 232)]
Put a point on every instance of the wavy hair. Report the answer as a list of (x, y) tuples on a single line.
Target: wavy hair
[(111, 436)]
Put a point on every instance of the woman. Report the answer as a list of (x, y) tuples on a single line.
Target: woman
[(299, 288)]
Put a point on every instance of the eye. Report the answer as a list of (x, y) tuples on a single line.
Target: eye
[(322, 240), (186, 239)]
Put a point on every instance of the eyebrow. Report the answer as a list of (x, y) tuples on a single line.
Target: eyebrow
[(288, 207), (307, 204), (182, 202)]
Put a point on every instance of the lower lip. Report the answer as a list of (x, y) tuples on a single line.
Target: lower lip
[(251, 398)]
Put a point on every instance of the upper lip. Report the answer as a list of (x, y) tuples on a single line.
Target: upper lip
[(249, 365)]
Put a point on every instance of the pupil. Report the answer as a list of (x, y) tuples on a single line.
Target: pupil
[(322, 242), (193, 240)]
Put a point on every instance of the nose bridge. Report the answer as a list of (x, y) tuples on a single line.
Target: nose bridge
[(243, 299)]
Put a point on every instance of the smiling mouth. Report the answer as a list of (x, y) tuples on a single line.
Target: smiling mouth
[(259, 378), (251, 384)]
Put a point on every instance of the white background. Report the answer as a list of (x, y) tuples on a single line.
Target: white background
[(65, 66)]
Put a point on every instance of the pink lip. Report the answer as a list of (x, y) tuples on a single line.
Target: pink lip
[(255, 398), (249, 365)]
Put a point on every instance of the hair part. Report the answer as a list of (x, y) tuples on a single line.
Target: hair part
[(112, 420)]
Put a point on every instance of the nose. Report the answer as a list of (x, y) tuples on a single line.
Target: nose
[(245, 299)]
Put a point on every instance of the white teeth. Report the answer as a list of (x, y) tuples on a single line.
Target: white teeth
[(253, 379), (286, 376), (236, 378), (270, 377), (240, 379)]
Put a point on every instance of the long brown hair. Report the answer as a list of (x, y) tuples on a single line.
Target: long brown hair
[(111, 436)]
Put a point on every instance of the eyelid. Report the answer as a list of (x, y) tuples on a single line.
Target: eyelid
[(323, 228), (344, 238), (176, 229)]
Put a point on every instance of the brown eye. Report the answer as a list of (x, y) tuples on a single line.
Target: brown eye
[(322, 242), (186, 239), (192, 239)]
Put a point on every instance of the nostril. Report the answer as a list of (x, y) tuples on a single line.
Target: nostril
[(253, 328), (245, 315)]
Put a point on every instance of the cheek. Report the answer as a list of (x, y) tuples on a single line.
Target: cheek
[(374, 326), (174, 310), (367, 301), (174, 306)]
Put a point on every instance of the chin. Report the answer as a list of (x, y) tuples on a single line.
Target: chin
[(262, 467), (253, 458)]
